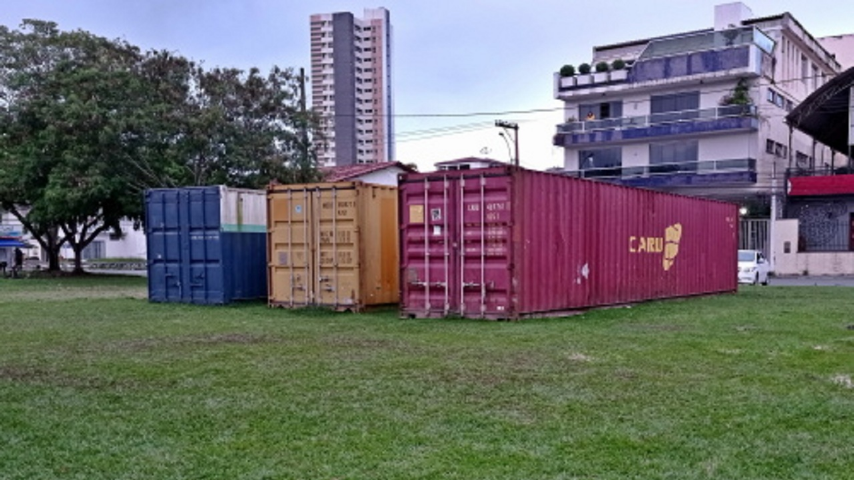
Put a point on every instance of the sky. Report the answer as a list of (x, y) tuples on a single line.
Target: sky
[(458, 65)]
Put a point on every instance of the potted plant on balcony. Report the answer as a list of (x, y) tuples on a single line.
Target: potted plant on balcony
[(584, 77), (601, 74), (567, 76), (739, 96), (618, 70)]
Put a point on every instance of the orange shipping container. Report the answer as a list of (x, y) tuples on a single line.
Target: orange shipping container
[(332, 245)]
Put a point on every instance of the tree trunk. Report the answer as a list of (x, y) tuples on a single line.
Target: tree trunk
[(52, 247), (78, 258)]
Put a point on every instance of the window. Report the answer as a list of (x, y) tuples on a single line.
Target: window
[(772, 96), (673, 157), (781, 150), (769, 146), (674, 107), (676, 102), (801, 159), (603, 162)]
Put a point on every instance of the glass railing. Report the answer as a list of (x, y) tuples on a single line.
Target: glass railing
[(657, 119), (715, 40), (702, 167)]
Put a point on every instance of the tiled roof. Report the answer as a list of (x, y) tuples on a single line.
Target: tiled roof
[(350, 172)]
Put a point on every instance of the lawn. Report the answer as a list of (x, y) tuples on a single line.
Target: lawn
[(96, 383)]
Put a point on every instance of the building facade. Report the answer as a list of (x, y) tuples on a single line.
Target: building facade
[(841, 46), (351, 86), (698, 113)]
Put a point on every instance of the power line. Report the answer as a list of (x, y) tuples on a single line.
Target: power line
[(761, 83)]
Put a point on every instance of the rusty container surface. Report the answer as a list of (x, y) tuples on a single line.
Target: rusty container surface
[(508, 243), (332, 245)]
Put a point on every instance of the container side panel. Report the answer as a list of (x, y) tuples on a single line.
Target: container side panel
[(245, 265), (378, 245), (584, 244), (291, 251), (243, 210), (385, 288)]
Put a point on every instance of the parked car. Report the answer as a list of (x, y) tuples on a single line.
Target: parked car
[(753, 267)]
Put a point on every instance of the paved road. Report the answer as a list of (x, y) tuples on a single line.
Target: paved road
[(813, 281)]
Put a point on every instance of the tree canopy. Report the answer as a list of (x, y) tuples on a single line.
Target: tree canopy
[(87, 124)]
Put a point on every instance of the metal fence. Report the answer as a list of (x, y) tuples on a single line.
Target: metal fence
[(830, 235), (753, 235)]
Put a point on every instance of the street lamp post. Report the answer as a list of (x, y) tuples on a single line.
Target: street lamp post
[(507, 126)]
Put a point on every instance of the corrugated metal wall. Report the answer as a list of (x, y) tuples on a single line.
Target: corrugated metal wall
[(510, 243)]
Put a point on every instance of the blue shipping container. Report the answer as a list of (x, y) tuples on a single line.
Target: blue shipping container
[(206, 245)]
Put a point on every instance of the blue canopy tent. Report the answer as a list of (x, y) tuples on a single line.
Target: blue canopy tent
[(13, 243)]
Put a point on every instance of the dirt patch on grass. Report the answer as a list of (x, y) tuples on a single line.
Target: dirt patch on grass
[(657, 327), (42, 376), (206, 340), (53, 293)]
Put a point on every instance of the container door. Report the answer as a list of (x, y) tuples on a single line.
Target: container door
[(164, 246), (290, 248), (430, 248), (484, 234), (335, 240), (202, 275)]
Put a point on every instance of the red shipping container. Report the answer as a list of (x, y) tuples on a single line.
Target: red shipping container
[(509, 243)]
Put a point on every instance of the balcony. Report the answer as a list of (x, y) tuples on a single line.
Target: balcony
[(683, 174), (685, 122), (734, 53)]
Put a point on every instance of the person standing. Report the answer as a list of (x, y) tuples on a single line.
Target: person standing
[(19, 262)]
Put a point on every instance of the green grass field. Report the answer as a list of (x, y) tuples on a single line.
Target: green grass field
[(96, 383)]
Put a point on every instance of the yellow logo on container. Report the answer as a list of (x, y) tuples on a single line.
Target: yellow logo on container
[(667, 245)]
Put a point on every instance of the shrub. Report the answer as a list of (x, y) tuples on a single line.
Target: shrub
[(601, 67), (567, 70), (618, 64), (584, 68)]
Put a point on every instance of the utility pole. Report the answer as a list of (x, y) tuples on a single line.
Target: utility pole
[(507, 126), (303, 116)]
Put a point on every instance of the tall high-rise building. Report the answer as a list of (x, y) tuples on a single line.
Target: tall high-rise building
[(351, 86)]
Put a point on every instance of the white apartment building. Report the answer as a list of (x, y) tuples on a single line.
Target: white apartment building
[(699, 112), (351, 86)]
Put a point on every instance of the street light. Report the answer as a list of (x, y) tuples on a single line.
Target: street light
[(507, 126), (506, 142), (742, 211)]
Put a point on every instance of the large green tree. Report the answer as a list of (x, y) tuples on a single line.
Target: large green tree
[(87, 124)]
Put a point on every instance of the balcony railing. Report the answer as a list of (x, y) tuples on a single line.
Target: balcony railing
[(692, 167), (621, 123), (716, 40)]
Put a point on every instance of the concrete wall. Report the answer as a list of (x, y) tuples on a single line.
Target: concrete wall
[(817, 263), (387, 176)]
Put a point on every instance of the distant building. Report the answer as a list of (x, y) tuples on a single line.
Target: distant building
[(131, 244), (351, 86), (468, 163), (817, 234), (377, 173), (842, 46), (699, 112)]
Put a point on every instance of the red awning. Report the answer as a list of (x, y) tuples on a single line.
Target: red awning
[(822, 185)]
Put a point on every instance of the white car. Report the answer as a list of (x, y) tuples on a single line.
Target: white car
[(753, 268)]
